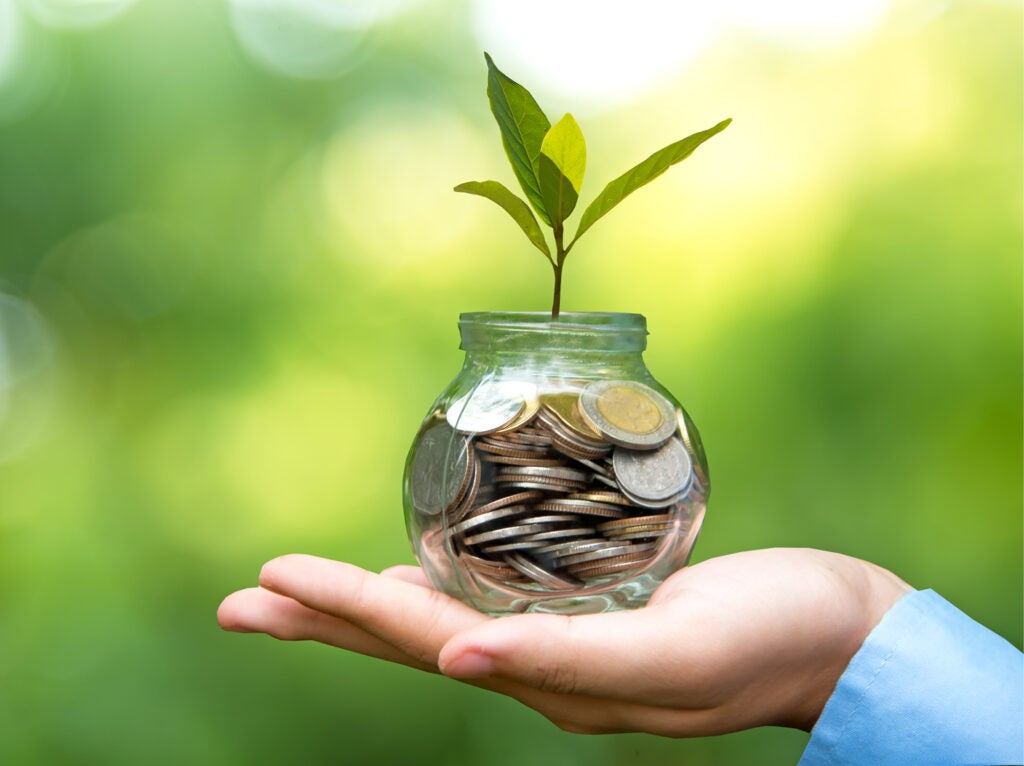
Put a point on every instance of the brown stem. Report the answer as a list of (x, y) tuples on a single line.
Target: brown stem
[(556, 303), (560, 253)]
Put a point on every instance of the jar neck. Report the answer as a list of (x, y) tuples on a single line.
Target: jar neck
[(604, 340)]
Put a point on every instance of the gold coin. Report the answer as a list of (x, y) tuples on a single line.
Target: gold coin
[(565, 406), (630, 410)]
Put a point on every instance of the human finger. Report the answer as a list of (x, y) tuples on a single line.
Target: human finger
[(409, 574), (257, 610), (639, 656), (415, 620)]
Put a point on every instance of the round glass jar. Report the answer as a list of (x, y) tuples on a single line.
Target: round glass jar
[(554, 474)]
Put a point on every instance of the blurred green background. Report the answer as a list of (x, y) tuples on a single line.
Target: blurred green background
[(231, 266)]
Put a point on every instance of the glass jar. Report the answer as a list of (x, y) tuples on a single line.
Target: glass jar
[(554, 474)]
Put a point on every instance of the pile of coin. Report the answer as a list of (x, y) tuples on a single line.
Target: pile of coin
[(555, 488)]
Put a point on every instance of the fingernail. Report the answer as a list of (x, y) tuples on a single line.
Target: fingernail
[(469, 665)]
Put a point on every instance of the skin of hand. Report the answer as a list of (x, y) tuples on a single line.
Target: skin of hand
[(749, 639)]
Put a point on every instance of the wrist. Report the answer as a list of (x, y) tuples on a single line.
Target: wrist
[(865, 592)]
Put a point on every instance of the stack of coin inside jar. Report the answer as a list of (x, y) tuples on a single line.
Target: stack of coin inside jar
[(553, 488)]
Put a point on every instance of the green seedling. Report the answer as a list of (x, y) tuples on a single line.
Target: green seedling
[(549, 161)]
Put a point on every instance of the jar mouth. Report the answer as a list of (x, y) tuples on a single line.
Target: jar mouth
[(568, 321), (535, 330)]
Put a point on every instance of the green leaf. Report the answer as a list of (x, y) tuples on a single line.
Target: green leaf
[(523, 126), (642, 174), (512, 205), (563, 159), (557, 191), (565, 147)]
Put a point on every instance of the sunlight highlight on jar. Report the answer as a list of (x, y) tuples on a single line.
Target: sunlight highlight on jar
[(27, 378), (307, 39), (76, 14)]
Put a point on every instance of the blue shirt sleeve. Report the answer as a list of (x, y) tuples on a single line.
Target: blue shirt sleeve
[(929, 686)]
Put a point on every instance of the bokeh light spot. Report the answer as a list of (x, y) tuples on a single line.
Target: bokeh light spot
[(26, 375), (76, 14), (28, 64), (594, 53), (307, 39), (388, 184)]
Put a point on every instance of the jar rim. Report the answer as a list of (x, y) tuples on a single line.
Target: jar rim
[(568, 321)]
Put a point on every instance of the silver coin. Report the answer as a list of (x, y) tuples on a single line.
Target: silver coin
[(490, 406), (655, 505), (566, 474), (569, 547), (614, 565), (607, 480), (628, 413), (511, 484), (558, 534), (550, 518), (516, 545), (595, 467), (482, 519), (506, 533), (468, 494), (655, 475), (538, 574), (440, 469), (606, 553), (517, 499), (582, 508)]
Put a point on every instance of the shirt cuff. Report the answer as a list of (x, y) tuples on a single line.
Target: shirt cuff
[(929, 685)]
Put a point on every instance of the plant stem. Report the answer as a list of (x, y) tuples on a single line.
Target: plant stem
[(556, 303), (560, 253)]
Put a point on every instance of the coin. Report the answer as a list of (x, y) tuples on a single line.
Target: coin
[(523, 508), (626, 562), (604, 553), (501, 502), (611, 552), (440, 469), (569, 547), (490, 406), (482, 519), (519, 530), (633, 521), (565, 474), (654, 505), (655, 475), (602, 496), (628, 413), (581, 507), (564, 406), (558, 534), (539, 574), (528, 413), (515, 545)]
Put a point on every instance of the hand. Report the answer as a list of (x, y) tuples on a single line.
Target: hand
[(750, 639)]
